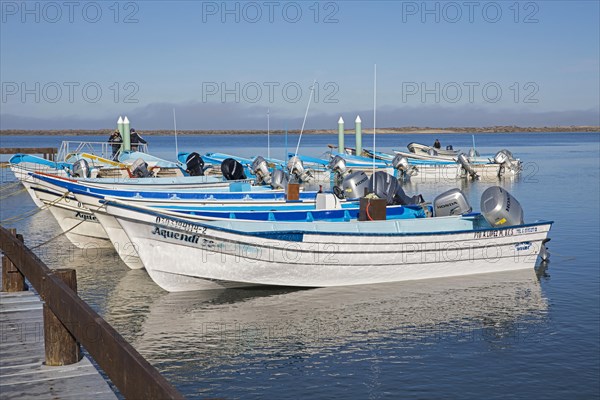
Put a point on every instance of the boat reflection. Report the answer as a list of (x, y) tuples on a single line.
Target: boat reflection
[(210, 327)]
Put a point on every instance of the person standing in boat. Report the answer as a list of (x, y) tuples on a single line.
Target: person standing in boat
[(437, 144), (116, 140), (136, 138)]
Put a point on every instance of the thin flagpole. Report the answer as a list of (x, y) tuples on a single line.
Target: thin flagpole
[(374, 112), (312, 89), (268, 133), (175, 125)]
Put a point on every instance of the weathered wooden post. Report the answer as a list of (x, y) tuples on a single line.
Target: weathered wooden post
[(61, 347), (12, 279)]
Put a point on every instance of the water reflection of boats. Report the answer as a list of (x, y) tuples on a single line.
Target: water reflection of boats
[(206, 325)]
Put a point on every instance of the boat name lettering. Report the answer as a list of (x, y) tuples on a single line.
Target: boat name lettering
[(529, 229), (495, 233), (181, 225), (167, 234), (85, 217)]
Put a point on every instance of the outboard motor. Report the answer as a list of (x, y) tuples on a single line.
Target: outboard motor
[(260, 168), (506, 160), (194, 164), (139, 169), (503, 156), (451, 202), (449, 147), (338, 166), (387, 187), (296, 168), (81, 169), (232, 170), (279, 180), (354, 185), (400, 163), (500, 208), (467, 166), (432, 152)]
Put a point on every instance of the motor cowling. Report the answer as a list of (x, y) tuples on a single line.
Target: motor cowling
[(232, 170), (473, 153), (194, 164), (462, 160), (296, 168), (500, 208), (432, 152), (451, 202), (260, 168), (338, 166), (503, 156), (449, 147), (401, 164), (139, 169), (279, 179), (386, 186), (354, 185), (81, 169)]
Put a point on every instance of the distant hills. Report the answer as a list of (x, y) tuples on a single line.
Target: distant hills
[(407, 130)]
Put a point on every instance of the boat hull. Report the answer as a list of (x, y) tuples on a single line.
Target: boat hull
[(204, 255)]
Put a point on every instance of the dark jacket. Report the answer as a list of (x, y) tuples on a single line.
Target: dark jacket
[(116, 140), (136, 138)]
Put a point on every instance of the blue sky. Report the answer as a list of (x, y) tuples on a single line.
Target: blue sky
[(222, 65)]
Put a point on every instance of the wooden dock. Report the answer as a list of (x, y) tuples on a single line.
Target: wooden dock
[(23, 373), (41, 340)]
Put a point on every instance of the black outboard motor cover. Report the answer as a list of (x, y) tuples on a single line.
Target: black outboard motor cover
[(449, 147), (232, 170), (384, 186), (387, 187), (194, 164), (81, 168)]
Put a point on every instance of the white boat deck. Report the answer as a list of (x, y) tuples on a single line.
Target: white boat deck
[(23, 374)]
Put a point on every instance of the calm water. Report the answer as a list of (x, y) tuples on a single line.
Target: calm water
[(531, 334)]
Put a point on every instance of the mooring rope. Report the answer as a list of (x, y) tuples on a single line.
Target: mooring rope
[(31, 213), (63, 233), (12, 193), (9, 185)]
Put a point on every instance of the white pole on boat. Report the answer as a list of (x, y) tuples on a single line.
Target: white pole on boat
[(285, 157), (268, 133), (341, 135), (126, 135), (374, 113), (474, 151), (358, 130), (312, 90), (175, 127)]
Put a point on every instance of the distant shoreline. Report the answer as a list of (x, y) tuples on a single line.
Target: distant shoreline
[(403, 130)]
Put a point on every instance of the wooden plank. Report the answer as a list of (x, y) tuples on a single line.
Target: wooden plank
[(23, 373), (28, 150)]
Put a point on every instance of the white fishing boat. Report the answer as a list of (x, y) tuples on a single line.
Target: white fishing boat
[(181, 255), (86, 228), (418, 148)]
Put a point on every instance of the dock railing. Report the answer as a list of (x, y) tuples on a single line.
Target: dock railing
[(102, 149), (69, 321), (49, 153)]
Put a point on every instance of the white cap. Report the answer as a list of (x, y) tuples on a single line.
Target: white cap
[(125, 121), (358, 121), (341, 120), (120, 120)]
